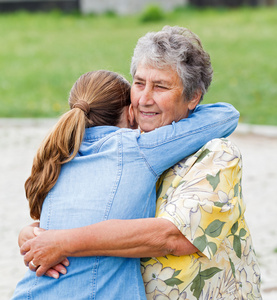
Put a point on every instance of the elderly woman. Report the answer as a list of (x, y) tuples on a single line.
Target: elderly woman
[(200, 211)]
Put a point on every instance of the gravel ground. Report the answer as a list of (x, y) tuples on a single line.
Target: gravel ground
[(19, 140)]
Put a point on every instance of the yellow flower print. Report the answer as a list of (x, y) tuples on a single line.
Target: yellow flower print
[(203, 198), (154, 277)]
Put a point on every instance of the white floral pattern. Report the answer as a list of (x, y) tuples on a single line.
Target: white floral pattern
[(202, 196)]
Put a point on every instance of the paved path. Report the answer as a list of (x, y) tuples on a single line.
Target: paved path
[(19, 140)]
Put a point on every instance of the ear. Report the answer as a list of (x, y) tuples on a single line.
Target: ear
[(131, 117), (195, 100)]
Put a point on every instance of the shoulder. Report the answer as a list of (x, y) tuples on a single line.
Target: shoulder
[(221, 145), (215, 151), (216, 155)]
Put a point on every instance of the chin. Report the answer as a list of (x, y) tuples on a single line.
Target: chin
[(147, 129)]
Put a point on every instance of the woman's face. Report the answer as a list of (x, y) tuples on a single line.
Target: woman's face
[(157, 98)]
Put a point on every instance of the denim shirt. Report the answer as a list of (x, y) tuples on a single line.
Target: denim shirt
[(113, 176)]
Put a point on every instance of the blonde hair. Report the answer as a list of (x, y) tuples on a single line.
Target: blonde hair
[(107, 94)]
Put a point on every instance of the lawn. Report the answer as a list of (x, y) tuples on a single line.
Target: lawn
[(42, 54)]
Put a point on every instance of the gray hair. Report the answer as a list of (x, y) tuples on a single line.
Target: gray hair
[(180, 49)]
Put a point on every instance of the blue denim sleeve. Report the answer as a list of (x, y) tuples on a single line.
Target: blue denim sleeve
[(167, 145)]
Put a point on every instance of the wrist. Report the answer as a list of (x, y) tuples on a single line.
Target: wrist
[(67, 241)]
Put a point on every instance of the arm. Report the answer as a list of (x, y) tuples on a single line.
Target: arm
[(126, 238), (183, 138), (204, 200)]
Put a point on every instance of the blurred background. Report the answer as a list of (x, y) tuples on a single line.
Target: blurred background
[(46, 45)]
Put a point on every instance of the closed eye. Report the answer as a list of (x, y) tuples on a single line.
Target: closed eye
[(161, 87)]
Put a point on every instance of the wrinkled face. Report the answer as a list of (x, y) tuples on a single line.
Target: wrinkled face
[(157, 97)]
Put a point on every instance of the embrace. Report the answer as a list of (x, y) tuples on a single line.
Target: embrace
[(137, 190)]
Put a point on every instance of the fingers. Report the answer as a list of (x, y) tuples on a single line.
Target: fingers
[(33, 265), (40, 271), (60, 268), (57, 270), (52, 273), (25, 234), (28, 258), (65, 262), (35, 224), (25, 248), (38, 231)]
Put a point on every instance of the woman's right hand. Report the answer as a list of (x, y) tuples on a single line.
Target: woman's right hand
[(29, 233)]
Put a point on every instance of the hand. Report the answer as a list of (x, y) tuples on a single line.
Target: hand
[(46, 254), (53, 272), (27, 233)]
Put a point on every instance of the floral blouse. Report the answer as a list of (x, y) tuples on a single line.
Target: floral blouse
[(202, 196)]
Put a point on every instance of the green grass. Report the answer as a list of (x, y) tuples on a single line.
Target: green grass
[(42, 55)]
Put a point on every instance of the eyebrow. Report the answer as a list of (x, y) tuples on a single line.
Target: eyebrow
[(137, 77)]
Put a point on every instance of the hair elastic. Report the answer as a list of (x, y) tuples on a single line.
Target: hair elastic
[(83, 105)]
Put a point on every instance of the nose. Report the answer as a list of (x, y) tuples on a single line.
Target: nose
[(146, 97)]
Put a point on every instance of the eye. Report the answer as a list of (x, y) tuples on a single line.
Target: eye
[(161, 87), (138, 83)]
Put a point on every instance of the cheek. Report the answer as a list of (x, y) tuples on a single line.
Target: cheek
[(167, 109), (132, 94), (173, 111), (134, 99)]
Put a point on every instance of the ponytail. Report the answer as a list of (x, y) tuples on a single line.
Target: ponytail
[(59, 147)]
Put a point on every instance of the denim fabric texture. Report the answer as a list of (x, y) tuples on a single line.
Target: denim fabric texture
[(113, 176)]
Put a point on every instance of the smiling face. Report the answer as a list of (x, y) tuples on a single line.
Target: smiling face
[(157, 97)]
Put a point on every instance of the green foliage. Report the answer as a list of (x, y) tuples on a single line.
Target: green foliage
[(173, 280), (214, 229), (145, 259), (203, 154), (237, 238), (213, 180), (199, 281), (42, 55), (152, 13)]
